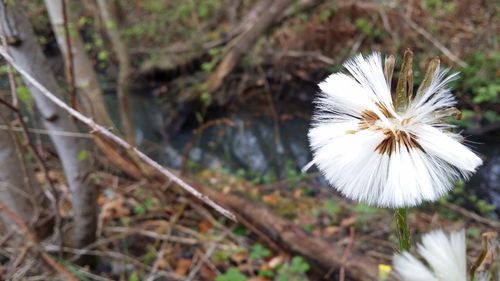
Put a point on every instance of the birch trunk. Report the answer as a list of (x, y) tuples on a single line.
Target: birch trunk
[(19, 190), (111, 25), (87, 85), (26, 51)]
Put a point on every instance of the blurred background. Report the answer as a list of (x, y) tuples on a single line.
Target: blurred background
[(222, 91)]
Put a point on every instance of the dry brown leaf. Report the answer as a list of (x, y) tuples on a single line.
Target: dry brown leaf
[(182, 266)]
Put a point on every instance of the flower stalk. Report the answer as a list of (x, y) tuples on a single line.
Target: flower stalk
[(403, 230)]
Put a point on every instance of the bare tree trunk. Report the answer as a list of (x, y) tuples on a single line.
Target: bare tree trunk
[(86, 82), (19, 190), (26, 51), (255, 26), (111, 25)]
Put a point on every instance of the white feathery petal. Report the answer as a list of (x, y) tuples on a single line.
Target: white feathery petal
[(437, 143), (373, 154), (347, 161), (369, 73), (411, 269), (445, 255), (344, 96)]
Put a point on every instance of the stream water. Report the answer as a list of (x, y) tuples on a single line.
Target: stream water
[(249, 148)]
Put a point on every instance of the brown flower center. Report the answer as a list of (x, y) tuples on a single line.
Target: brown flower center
[(394, 137)]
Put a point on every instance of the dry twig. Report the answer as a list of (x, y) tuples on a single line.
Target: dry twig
[(435, 42)]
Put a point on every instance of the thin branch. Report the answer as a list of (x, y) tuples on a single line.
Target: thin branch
[(106, 133), (46, 132), (435, 42), (69, 62)]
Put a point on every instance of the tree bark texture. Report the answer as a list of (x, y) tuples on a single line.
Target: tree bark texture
[(89, 90), (27, 52), (120, 49)]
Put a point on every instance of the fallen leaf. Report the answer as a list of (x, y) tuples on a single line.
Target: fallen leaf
[(182, 266)]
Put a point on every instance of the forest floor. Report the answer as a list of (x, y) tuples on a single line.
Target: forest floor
[(147, 231)]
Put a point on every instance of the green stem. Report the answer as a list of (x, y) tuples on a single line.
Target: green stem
[(402, 228)]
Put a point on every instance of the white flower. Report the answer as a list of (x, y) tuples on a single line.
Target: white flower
[(445, 255), (373, 153)]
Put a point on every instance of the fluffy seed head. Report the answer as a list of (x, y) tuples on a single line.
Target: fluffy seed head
[(388, 149), (445, 255)]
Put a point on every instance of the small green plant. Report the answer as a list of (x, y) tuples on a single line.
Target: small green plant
[(473, 232), (83, 155), (142, 208), (232, 274), (258, 252), (331, 207), (364, 209), (240, 230), (134, 276), (367, 27), (295, 271)]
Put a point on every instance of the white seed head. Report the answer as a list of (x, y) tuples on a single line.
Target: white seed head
[(445, 255), (372, 153)]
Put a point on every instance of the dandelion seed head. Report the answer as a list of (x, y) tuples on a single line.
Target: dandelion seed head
[(381, 155)]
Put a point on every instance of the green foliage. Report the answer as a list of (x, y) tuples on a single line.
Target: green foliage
[(292, 175), (435, 6), (148, 204), (473, 232), (103, 55), (308, 228), (24, 95), (328, 12), (266, 273), (331, 207), (83, 155), (368, 28), (232, 274), (487, 93), (295, 271), (258, 252), (481, 83), (150, 255), (134, 276), (364, 209), (72, 268), (206, 98), (460, 196), (240, 230)]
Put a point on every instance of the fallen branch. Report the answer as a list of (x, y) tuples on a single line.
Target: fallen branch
[(325, 257), (472, 215), (96, 128), (240, 45)]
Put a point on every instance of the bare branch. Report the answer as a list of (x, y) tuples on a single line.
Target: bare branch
[(435, 42), (106, 133)]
